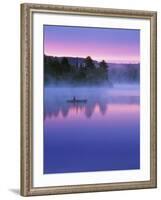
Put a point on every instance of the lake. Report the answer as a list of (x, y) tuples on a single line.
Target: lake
[(101, 134)]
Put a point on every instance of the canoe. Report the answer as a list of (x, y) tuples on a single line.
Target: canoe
[(77, 101)]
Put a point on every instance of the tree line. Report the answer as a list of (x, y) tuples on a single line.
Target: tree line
[(57, 70)]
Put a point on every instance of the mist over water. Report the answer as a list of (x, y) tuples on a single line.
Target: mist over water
[(102, 133), (56, 98)]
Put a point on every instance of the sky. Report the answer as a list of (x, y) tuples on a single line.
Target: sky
[(109, 44)]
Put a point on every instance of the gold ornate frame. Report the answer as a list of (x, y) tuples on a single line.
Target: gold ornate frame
[(27, 11)]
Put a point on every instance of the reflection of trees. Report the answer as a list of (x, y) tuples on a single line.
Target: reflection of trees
[(89, 108), (64, 109), (102, 107), (57, 104)]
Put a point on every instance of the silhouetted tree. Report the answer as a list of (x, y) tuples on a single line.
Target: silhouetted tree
[(89, 64), (81, 73), (65, 65), (103, 65), (50, 67), (104, 68)]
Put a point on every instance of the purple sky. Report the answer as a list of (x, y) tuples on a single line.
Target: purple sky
[(112, 45)]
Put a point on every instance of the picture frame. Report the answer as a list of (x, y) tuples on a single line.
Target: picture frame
[(28, 89)]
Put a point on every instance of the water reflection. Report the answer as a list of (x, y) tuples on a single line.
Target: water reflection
[(56, 104), (105, 129)]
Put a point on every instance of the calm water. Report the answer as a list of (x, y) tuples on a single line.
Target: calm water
[(102, 134)]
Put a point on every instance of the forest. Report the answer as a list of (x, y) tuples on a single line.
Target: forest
[(87, 71)]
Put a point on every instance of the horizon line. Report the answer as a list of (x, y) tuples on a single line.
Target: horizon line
[(109, 61)]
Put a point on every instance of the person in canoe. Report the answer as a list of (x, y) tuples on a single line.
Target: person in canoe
[(74, 100)]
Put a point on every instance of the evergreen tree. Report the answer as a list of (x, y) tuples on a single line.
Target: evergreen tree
[(89, 64), (104, 69), (65, 65), (103, 65), (56, 67)]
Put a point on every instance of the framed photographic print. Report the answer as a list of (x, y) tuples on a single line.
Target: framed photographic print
[(88, 99)]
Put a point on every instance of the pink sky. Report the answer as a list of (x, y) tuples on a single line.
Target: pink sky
[(116, 45)]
